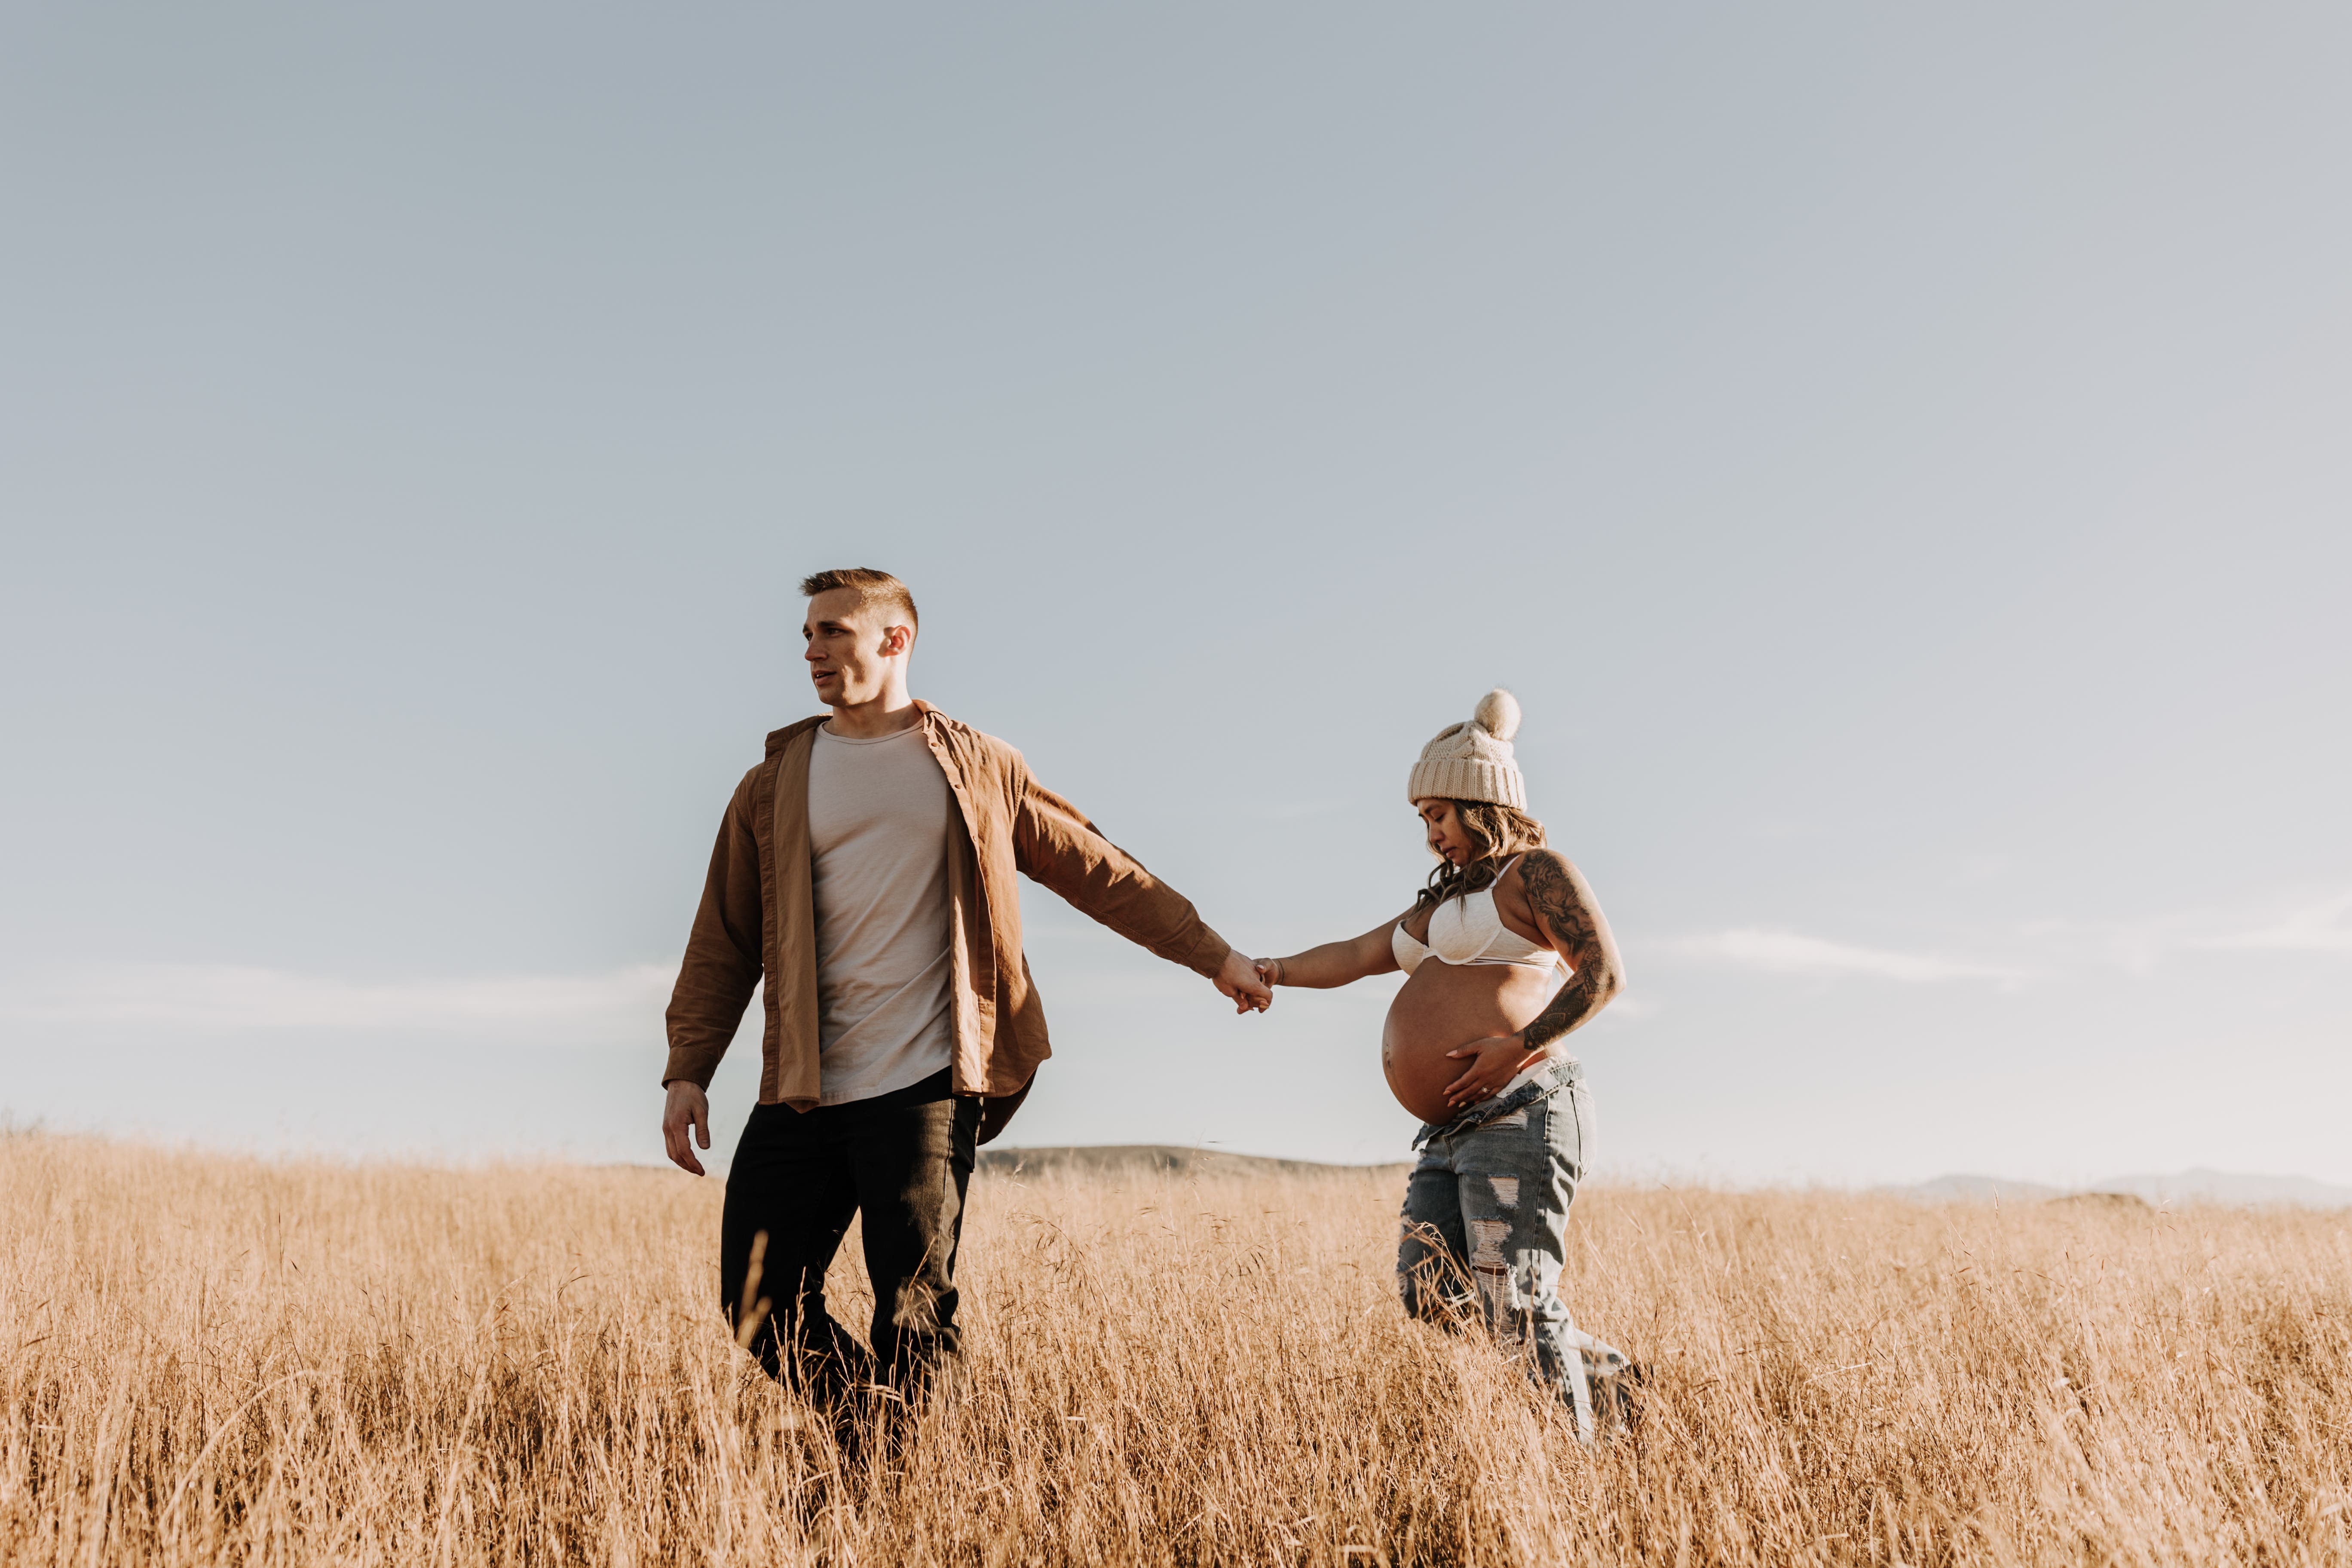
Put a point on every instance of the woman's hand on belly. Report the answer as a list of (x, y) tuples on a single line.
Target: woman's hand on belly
[(1493, 1062), (1445, 1013)]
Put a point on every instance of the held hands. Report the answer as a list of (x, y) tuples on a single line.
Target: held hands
[(1240, 980), (1495, 1061)]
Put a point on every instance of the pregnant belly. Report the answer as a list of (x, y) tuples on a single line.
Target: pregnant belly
[(1445, 1005)]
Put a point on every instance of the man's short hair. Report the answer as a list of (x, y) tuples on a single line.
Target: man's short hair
[(873, 587)]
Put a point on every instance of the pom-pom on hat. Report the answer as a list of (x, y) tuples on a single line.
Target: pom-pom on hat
[(1472, 761)]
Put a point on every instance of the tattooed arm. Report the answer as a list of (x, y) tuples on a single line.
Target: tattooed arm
[(1569, 918), (1549, 895)]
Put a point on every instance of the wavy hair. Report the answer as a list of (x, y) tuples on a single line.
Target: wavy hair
[(1496, 833)]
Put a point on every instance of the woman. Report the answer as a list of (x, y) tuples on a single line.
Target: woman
[(1474, 1046)]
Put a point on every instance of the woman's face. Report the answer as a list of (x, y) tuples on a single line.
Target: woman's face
[(1447, 840)]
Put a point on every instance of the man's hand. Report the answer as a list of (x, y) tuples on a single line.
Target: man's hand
[(1239, 980), (1495, 1061), (687, 1107)]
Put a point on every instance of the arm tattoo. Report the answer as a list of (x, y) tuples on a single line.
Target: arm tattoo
[(1565, 908)]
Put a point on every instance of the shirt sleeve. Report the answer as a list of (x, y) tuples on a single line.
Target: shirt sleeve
[(722, 963), (1053, 845)]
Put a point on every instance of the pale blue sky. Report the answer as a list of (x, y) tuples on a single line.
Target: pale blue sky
[(1897, 457)]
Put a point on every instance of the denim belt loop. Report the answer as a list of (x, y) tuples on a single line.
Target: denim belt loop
[(1550, 1081)]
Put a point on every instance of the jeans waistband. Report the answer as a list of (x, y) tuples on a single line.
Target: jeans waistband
[(1548, 1081)]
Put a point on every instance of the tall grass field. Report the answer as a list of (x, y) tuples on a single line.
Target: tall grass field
[(217, 1359)]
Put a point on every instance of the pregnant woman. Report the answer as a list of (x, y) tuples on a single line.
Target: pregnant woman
[(1474, 1046)]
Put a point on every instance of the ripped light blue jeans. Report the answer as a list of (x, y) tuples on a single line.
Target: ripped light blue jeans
[(1486, 1228)]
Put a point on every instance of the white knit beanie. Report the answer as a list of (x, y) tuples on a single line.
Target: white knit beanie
[(1472, 761)]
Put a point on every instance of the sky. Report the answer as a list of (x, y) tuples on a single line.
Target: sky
[(1897, 456)]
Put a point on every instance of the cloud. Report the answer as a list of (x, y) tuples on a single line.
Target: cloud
[(2315, 928), (1626, 1007), (1788, 952), (2144, 946), (230, 997)]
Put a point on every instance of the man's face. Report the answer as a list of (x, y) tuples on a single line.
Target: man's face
[(1447, 840), (851, 646)]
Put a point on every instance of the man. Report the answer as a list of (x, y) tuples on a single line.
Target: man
[(865, 869)]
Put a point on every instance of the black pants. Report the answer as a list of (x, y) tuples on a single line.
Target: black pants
[(904, 1158)]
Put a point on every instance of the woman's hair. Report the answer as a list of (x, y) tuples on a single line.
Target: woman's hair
[(1496, 833)]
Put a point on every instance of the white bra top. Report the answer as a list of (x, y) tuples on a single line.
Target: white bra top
[(1469, 929)]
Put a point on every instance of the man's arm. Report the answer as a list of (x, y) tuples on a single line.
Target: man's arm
[(1057, 847), (716, 980)]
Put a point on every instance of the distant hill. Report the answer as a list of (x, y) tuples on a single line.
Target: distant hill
[(2225, 1188), (1979, 1190), (2197, 1186), (2203, 1187), (1126, 1159)]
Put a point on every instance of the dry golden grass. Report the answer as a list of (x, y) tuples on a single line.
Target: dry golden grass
[(214, 1360)]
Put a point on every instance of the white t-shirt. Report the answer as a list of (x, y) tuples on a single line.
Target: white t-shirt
[(878, 812)]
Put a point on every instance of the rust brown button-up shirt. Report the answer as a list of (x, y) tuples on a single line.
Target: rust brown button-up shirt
[(758, 918)]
